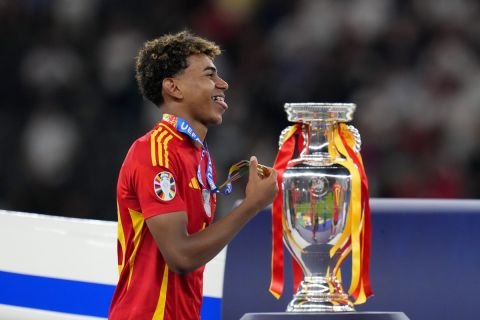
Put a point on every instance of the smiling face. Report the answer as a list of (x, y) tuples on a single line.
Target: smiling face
[(202, 91)]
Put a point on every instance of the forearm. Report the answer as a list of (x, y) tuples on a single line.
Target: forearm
[(199, 248)]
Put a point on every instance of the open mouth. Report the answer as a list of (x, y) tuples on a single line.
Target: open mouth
[(220, 99)]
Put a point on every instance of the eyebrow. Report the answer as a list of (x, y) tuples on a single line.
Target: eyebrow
[(213, 69)]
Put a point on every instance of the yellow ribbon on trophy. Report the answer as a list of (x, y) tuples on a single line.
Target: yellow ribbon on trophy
[(355, 238)]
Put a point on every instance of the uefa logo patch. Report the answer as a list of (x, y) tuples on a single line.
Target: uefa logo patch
[(164, 186)]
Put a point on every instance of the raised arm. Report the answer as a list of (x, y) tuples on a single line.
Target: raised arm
[(183, 252)]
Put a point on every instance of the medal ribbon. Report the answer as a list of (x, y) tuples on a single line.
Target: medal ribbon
[(240, 169)]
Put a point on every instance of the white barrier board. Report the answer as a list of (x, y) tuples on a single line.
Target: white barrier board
[(66, 268)]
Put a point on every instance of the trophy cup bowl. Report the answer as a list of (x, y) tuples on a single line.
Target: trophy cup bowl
[(316, 196)]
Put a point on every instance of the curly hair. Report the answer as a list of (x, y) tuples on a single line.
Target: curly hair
[(166, 57)]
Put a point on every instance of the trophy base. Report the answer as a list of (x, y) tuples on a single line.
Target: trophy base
[(326, 316), (320, 294)]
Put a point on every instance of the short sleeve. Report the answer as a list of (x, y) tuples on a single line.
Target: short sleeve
[(157, 190)]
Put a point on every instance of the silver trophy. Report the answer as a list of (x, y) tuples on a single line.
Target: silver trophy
[(316, 196)]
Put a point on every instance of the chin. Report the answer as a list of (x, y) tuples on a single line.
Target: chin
[(218, 121), (213, 121)]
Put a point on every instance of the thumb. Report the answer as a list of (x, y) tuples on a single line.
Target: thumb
[(253, 168)]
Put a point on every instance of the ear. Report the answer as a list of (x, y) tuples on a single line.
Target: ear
[(170, 88)]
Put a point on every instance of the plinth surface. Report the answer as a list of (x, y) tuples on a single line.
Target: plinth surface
[(326, 316)]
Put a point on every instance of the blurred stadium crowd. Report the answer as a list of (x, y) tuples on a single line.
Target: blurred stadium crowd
[(70, 107)]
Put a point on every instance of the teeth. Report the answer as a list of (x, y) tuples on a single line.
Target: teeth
[(218, 98)]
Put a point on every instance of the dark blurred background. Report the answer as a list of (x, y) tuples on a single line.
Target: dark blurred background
[(70, 108)]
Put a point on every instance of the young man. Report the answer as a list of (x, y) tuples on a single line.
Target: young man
[(166, 190)]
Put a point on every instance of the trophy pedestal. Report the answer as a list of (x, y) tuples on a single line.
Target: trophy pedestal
[(326, 316), (320, 294)]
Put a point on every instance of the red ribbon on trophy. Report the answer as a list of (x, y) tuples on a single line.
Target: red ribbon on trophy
[(356, 237), (285, 154)]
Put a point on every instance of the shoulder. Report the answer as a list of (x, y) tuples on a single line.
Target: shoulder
[(164, 143), (158, 147)]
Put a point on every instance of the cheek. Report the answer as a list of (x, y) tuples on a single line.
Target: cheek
[(199, 91), (191, 89)]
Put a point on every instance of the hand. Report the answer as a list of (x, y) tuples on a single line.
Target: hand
[(260, 190)]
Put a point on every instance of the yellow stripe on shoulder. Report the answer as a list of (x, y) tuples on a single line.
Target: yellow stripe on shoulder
[(165, 148), (171, 131), (153, 151), (159, 140), (160, 148)]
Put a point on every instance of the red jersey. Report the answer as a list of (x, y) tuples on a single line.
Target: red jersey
[(158, 176)]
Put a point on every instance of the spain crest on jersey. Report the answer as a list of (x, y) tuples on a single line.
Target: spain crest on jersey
[(164, 186)]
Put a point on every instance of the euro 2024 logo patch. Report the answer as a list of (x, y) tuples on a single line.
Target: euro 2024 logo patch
[(164, 186)]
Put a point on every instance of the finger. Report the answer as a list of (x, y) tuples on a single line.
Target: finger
[(253, 168), (263, 171), (273, 173)]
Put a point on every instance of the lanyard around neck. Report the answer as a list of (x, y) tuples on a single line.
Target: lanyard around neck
[(184, 127)]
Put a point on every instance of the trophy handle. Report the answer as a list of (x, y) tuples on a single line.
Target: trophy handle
[(283, 135), (357, 137)]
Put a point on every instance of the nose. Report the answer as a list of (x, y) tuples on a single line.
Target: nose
[(222, 84)]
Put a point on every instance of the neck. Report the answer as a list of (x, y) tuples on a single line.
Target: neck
[(200, 129)]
